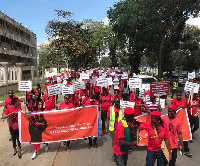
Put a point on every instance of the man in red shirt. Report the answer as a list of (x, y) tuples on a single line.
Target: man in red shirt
[(66, 104), (179, 102), (105, 101), (74, 100), (49, 101), (175, 129), (138, 104), (122, 138), (12, 113), (7, 104)]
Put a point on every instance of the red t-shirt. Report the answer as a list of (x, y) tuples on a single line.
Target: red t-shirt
[(74, 101), (28, 95), (132, 95), (154, 144), (147, 95), (33, 104), (178, 103), (69, 83), (64, 105), (84, 99), (96, 88), (49, 105), (119, 133), (8, 101), (174, 126), (116, 115), (105, 102), (137, 109), (10, 110), (81, 92), (195, 104), (44, 98), (91, 91), (113, 96), (88, 102)]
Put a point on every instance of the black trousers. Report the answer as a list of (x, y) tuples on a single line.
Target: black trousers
[(194, 122), (15, 137), (103, 118), (174, 157), (174, 90)]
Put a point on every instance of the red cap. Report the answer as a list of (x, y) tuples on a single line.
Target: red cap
[(172, 107), (156, 114), (129, 110)]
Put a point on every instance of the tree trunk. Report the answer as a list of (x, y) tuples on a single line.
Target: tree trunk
[(135, 64), (113, 56)]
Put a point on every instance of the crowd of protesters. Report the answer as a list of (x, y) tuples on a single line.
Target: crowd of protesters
[(119, 123)]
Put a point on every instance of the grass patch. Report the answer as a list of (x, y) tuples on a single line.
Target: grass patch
[(17, 93)]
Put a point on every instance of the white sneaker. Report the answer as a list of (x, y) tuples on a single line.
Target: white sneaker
[(46, 148), (34, 155)]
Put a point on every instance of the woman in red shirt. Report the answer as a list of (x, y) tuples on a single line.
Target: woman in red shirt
[(157, 132), (12, 113)]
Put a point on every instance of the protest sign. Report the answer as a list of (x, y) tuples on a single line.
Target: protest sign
[(25, 86), (102, 82), (54, 89), (160, 88), (79, 86), (191, 75), (116, 86), (84, 76), (196, 88), (188, 86), (135, 83), (58, 125), (67, 89), (162, 103), (93, 80), (125, 104), (109, 81), (124, 76)]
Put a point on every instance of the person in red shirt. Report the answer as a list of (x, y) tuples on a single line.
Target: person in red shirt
[(138, 104), (49, 101), (28, 96), (86, 97), (157, 131), (32, 104), (105, 101), (69, 81), (174, 126), (38, 89), (147, 95), (88, 88), (12, 113), (92, 101), (122, 139), (116, 94), (7, 104), (179, 102), (193, 113), (66, 105), (74, 100)]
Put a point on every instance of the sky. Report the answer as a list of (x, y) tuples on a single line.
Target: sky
[(35, 14)]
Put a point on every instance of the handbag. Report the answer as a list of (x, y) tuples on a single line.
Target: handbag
[(163, 145)]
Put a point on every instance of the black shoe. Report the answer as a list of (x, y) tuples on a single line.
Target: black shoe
[(10, 139), (190, 141), (14, 154)]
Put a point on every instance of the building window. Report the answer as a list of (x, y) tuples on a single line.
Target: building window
[(28, 60), (1, 22), (3, 39), (7, 25)]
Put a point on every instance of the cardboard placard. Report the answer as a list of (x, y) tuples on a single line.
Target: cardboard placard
[(162, 103), (102, 82), (93, 80), (188, 86), (135, 83), (160, 88), (191, 75), (25, 86), (125, 104), (68, 89), (109, 81), (54, 89), (196, 88), (84, 76), (79, 86)]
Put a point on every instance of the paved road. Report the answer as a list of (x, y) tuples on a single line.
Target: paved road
[(80, 154)]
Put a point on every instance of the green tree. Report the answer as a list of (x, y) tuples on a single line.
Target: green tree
[(43, 53), (105, 62)]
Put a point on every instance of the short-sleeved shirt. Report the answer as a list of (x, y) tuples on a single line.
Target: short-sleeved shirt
[(138, 109), (64, 105), (152, 106), (7, 101), (178, 103), (105, 102), (119, 134), (88, 102), (84, 99), (154, 144), (45, 98), (74, 101), (11, 118), (174, 126), (194, 109)]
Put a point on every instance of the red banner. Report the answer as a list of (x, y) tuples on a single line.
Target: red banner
[(58, 125), (160, 88), (181, 115)]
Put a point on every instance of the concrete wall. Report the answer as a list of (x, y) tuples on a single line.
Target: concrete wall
[(11, 86)]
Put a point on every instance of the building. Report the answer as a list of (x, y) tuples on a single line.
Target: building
[(18, 51)]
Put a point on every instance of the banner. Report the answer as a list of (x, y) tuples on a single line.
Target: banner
[(58, 125), (160, 88), (54, 89), (67, 89), (25, 86), (181, 115)]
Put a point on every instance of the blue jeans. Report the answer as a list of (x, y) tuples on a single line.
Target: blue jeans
[(121, 160), (153, 155)]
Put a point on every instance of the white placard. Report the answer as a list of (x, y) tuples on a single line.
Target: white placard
[(125, 104), (124, 76), (141, 94), (79, 85), (93, 80), (54, 89), (188, 86), (102, 82), (191, 76), (116, 86), (84, 76), (59, 79), (109, 81), (196, 88), (112, 74), (147, 97), (135, 83), (162, 103), (25, 86), (68, 89)]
